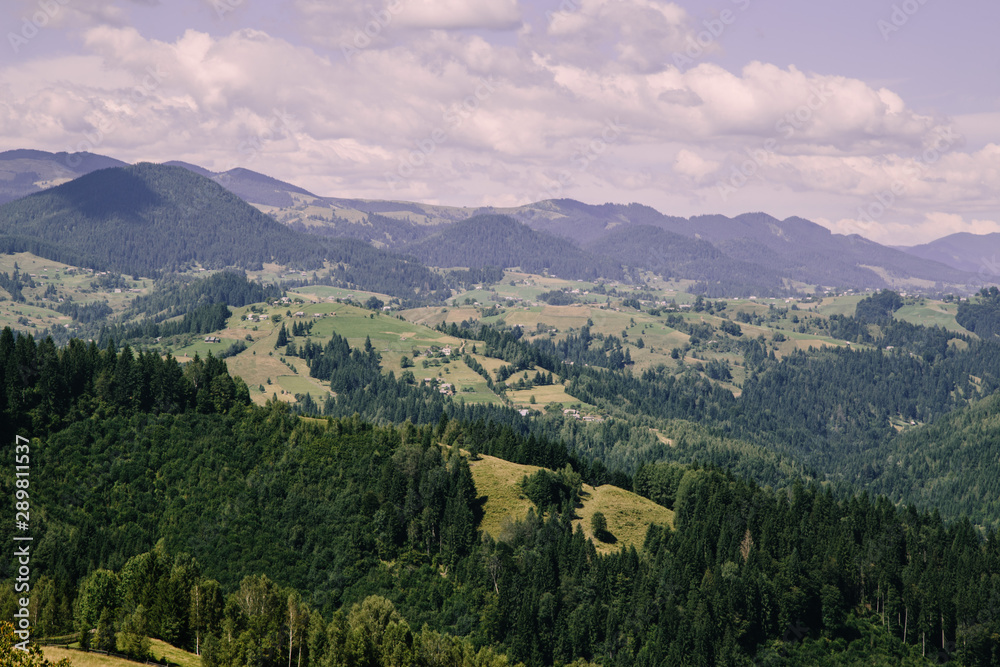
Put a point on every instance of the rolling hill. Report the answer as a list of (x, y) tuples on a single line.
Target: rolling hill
[(499, 240), (757, 253), (974, 253), (673, 255), (629, 515), (23, 172), (146, 219), (951, 464)]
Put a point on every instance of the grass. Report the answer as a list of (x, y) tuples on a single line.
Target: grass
[(391, 337), (497, 480), (68, 281), (431, 316), (544, 394), (561, 317), (932, 313), (175, 655), (162, 653), (628, 515), (326, 292), (839, 305), (297, 384)]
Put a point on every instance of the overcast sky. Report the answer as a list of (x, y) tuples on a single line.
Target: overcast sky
[(877, 117)]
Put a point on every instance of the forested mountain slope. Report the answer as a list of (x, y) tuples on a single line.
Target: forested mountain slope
[(496, 240), (23, 172), (675, 256), (951, 464), (301, 519), (755, 247), (147, 219), (975, 253)]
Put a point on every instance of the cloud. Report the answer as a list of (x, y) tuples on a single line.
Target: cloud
[(459, 117), (456, 14), (74, 13), (932, 226), (640, 35), (691, 164), (352, 27)]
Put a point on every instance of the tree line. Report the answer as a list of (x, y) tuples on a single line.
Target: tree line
[(340, 510)]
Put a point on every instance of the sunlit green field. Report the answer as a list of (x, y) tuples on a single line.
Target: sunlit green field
[(932, 313)]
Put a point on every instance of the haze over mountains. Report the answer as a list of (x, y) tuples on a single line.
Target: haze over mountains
[(974, 253), (287, 438), (753, 253), (146, 219)]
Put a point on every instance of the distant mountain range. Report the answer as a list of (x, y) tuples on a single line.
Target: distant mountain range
[(753, 253), (24, 172), (145, 219), (973, 253), (500, 240)]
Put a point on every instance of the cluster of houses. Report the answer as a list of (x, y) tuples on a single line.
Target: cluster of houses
[(575, 414), (446, 388)]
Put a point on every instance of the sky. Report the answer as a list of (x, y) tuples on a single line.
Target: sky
[(871, 117)]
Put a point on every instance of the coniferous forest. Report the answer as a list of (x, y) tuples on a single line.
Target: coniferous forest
[(809, 525), (176, 509), (499, 333)]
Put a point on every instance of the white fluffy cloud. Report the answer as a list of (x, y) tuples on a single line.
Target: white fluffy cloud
[(585, 106), (690, 163), (642, 35), (932, 226)]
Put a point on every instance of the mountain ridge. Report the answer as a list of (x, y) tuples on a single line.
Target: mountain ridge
[(974, 253), (751, 244), (145, 219)]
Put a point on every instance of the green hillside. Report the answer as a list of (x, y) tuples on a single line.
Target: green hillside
[(629, 516), (951, 464), (497, 240), (148, 219)]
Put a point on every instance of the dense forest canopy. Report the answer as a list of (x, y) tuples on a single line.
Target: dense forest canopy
[(826, 505), (364, 517), (221, 526), (497, 240), (825, 412), (981, 316)]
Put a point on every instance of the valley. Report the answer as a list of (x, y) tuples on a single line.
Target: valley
[(537, 434)]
